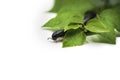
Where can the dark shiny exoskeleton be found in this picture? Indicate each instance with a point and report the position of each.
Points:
(58, 34)
(89, 15)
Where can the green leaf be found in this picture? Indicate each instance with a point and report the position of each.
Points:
(74, 37)
(73, 26)
(72, 4)
(58, 4)
(86, 4)
(108, 37)
(70, 16)
(64, 19)
(105, 3)
(105, 38)
(117, 33)
(71, 11)
(111, 17)
(95, 25)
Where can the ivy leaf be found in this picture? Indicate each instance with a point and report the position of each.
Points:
(74, 37)
(95, 25)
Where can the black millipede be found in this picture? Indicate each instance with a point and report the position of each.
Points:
(58, 35)
(89, 15)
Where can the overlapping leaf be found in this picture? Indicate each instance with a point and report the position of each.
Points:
(71, 12)
(70, 17)
(64, 19)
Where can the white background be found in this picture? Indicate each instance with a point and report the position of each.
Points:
(26, 54)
